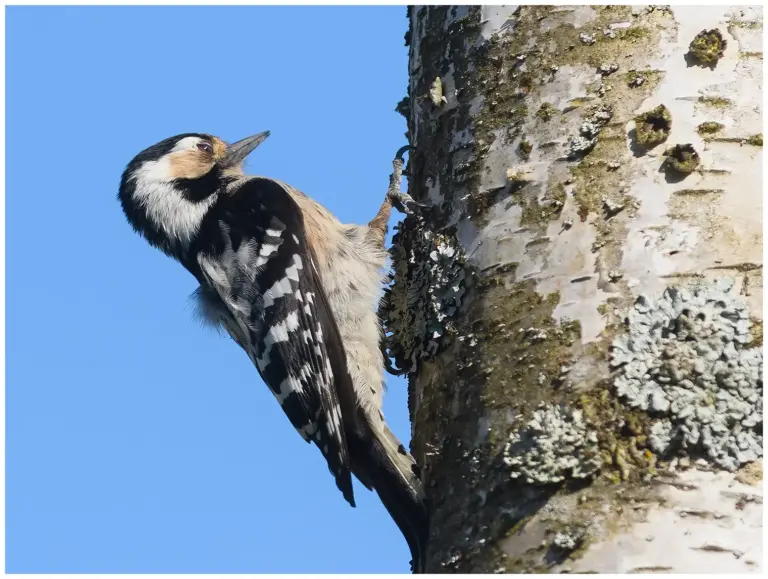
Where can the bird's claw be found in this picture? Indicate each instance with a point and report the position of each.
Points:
(401, 152)
(404, 203)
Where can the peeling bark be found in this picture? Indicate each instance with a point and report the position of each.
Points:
(579, 312)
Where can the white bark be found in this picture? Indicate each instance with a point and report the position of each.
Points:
(559, 250)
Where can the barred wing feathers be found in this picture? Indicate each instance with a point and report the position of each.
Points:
(262, 268)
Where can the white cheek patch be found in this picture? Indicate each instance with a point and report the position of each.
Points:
(168, 210)
(159, 170)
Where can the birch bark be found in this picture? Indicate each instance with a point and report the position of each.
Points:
(580, 311)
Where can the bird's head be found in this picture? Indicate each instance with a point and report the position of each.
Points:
(167, 189)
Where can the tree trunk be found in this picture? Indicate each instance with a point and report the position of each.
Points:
(579, 310)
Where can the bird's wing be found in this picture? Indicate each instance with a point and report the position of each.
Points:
(263, 269)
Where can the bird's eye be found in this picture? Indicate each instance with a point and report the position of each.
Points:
(205, 147)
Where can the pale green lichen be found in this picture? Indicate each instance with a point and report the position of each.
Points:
(686, 360)
(581, 144)
(555, 444)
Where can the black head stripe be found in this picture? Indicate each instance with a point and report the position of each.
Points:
(199, 189)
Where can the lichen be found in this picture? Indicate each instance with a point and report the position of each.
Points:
(428, 287)
(745, 24)
(698, 192)
(709, 128)
(554, 445)
(635, 33)
(715, 101)
(751, 473)
(653, 127)
(622, 440)
(568, 540)
(525, 149)
(682, 159)
(635, 79)
(436, 93)
(537, 211)
(546, 111)
(685, 360)
(510, 68)
(594, 191)
(608, 69)
(756, 140)
(581, 144)
(509, 319)
(708, 47)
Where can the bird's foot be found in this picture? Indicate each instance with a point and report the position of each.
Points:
(401, 201)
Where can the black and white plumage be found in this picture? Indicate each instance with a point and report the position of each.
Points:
(252, 252)
(296, 289)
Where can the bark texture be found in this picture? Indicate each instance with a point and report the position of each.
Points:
(579, 312)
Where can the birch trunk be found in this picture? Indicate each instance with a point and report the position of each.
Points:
(579, 312)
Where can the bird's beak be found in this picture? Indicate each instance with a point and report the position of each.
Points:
(237, 152)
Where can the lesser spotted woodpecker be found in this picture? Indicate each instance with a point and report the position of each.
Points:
(297, 290)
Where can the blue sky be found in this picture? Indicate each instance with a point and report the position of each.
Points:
(138, 441)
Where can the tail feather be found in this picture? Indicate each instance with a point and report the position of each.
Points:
(382, 464)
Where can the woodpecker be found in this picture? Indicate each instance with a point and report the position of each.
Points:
(297, 290)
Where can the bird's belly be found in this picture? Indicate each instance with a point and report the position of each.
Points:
(353, 293)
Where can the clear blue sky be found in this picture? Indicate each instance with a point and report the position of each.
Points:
(136, 440)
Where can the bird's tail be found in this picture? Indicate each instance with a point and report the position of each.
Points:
(387, 467)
